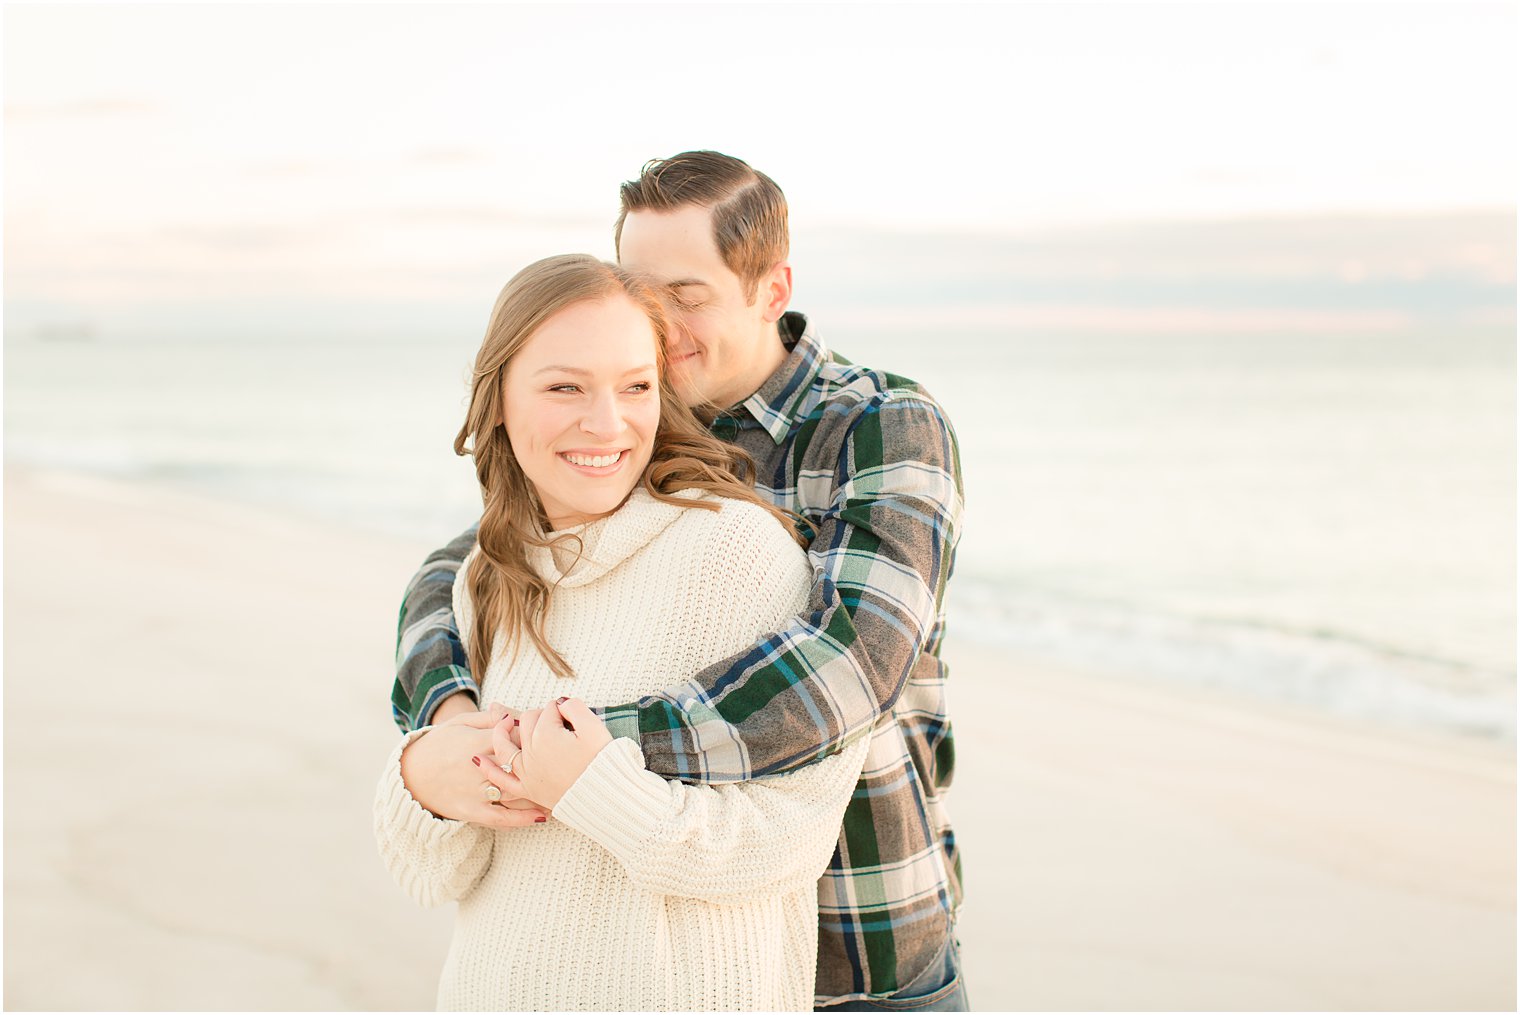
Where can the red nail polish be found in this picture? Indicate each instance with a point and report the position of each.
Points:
(476, 760)
(538, 821)
(516, 723)
(561, 701)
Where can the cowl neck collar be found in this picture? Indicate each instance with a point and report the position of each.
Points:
(597, 547)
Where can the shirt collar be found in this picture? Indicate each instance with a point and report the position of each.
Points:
(774, 405)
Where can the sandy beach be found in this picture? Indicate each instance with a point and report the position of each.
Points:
(196, 709)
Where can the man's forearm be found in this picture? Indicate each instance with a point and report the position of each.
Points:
(431, 666)
(882, 554)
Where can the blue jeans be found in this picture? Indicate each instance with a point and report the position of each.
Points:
(938, 988)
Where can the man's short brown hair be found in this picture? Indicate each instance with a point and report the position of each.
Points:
(748, 209)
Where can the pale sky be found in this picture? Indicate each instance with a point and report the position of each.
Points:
(290, 149)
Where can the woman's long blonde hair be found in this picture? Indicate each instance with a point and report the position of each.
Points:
(506, 592)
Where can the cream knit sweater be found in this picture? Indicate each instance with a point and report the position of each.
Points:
(639, 893)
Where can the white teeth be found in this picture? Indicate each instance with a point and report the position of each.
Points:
(594, 461)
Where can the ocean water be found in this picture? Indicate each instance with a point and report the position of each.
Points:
(1325, 522)
(1317, 509)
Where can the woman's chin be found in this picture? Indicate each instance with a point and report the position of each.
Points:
(589, 510)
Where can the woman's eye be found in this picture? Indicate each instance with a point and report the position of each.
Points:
(565, 388)
(640, 387)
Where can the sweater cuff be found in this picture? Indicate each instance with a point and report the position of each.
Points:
(616, 802)
(399, 812)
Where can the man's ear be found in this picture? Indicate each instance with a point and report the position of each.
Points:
(775, 292)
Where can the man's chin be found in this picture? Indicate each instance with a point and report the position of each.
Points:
(689, 391)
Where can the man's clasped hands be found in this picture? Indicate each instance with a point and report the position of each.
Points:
(530, 758)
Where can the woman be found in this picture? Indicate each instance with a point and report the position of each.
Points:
(618, 551)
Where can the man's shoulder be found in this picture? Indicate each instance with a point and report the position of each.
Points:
(850, 390)
(855, 417)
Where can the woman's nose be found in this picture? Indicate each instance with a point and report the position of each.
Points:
(603, 418)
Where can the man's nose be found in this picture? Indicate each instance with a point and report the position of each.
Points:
(679, 336)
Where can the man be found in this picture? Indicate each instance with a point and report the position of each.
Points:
(870, 461)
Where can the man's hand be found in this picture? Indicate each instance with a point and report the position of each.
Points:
(456, 705)
(439, 772)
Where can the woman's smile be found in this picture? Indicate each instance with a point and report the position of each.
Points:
(595, 463)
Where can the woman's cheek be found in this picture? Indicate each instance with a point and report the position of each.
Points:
(649, 420)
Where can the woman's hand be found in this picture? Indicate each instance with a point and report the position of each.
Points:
(559, 742)
(440, 773)
(505, 747)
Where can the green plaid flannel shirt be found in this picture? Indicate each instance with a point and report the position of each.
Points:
(869, 459)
